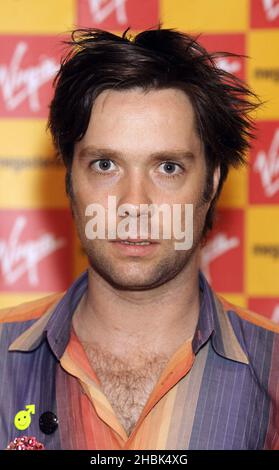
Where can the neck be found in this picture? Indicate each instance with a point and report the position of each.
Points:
(158, 319)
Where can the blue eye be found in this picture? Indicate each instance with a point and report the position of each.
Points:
(102, 165)
(171, 169)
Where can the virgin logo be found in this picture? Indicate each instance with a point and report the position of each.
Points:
(100, 10)
(18, 257)
(18, 83)
(231, 66)
(218, 246)
(267, 165)
(271, 9)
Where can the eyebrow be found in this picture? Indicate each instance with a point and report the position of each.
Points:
(90, 151)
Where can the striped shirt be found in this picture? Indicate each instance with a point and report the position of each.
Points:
(219, 390)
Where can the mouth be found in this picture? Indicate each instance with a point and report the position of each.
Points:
(136, 241)
(135, 247)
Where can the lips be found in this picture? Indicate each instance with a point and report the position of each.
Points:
(135, 247)
(135, 240)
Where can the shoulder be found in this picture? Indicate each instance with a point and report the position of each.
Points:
(258, 337)
(249, 317)
(29, 310)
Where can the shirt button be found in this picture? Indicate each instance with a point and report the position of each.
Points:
(48, 422)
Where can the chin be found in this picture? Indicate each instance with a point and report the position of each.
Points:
(136, 274)
(132, 282)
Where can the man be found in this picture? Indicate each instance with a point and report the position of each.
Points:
(140, 353)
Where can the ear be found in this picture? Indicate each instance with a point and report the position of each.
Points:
(216, 179)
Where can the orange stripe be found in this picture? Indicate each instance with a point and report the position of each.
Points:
(252, 317)
(178, 366)
(28, 310)
(103, 429)
(79, 356)
(71, 362)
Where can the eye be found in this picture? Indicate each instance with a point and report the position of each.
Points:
(102, 166)
(171, 169)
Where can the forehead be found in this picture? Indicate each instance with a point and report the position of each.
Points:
(143, 120)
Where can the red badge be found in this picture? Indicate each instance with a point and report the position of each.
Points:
(264, 13)
(28, 65)
(269, 307)
(222, 257)
(234, 43)
(36, 250)
(118, 14)
(25, 443)
(264, 165)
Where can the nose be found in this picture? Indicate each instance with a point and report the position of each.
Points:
(134, 193)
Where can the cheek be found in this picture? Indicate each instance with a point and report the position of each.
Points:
(192, 194)
(88, 192)
(194, 186)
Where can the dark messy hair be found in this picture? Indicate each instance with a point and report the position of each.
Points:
(154, 59)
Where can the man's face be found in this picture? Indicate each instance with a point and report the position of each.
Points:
(141, 148)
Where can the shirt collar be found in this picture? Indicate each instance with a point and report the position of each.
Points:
(214, 322)
(55, 324)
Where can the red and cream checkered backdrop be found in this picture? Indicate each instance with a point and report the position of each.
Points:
(39, 251)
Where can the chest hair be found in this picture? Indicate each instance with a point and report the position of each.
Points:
(127, 384)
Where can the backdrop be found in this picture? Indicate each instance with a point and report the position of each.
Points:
(39, 251)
